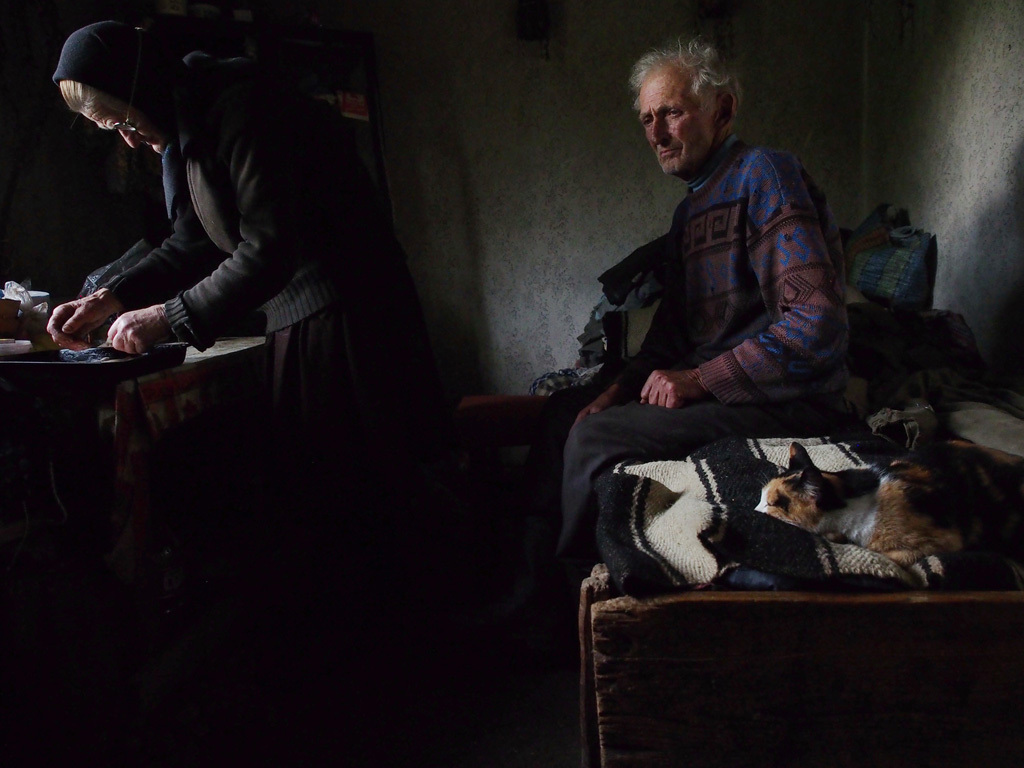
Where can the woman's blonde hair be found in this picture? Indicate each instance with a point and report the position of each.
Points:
(84, 99)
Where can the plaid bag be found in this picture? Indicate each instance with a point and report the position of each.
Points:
(892, 262)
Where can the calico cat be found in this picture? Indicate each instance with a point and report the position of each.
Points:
(941, 498)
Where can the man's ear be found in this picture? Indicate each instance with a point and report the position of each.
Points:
(726, 109)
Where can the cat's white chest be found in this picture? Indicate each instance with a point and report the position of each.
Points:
(855, 522)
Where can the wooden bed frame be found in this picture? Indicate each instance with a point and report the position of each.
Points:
(806, 679)
(727, 678)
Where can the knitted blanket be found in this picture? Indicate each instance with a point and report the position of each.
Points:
(672, 525)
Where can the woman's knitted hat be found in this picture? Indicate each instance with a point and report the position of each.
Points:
(116, 58)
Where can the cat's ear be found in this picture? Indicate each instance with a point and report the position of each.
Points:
(811, 482)
(798, 457)
(821, 489)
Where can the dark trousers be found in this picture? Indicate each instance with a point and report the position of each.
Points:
(563, 474)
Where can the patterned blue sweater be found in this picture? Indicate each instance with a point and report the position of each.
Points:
(754, 286)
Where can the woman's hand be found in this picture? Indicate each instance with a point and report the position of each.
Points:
(673, 389)
(71, 323)
(136, 331)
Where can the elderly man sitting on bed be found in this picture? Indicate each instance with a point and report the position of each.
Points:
(751, 333)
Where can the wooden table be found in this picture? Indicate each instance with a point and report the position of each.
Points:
(222, 388)
(109, 463)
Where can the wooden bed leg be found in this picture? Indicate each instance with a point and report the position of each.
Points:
(594, 589)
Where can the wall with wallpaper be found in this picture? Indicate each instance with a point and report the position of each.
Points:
(519, 172)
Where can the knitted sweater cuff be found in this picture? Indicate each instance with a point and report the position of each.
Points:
(182, 324)
(114, 286)
(723, 377)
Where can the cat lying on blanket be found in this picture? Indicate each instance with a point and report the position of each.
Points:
(941, 498)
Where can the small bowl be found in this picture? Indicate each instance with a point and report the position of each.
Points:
(9, 309)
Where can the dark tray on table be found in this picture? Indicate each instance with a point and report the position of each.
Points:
(63, 371)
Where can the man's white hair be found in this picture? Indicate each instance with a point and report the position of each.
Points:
(697, 58)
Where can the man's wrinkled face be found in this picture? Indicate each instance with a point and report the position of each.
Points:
(680, 130)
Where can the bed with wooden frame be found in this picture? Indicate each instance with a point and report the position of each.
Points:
(789, 678)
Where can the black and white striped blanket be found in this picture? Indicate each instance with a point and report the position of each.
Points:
(672, 525)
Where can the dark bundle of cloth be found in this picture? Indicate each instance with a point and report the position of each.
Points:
(675, 525)
(625, 277)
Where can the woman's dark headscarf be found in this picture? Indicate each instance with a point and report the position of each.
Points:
(105, 55)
